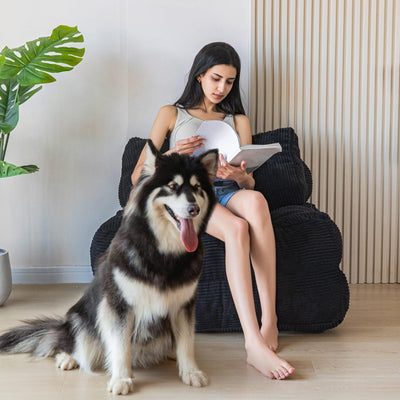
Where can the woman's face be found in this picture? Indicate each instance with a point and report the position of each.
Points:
(217, 82)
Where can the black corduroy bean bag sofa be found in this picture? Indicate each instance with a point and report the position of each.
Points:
(312, 292)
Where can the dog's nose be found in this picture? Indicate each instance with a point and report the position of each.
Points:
(193, 210)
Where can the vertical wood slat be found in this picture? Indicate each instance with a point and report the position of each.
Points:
(331, 69)
(395, 153)
(371, 141)
(378, 143)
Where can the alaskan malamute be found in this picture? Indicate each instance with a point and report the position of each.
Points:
(140, 305)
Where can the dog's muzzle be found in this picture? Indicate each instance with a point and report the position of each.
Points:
(189, 236)
(193, 210)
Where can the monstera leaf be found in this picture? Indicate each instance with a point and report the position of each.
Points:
(26, 92)
(21, 71)
(8, 170)
(33, 62)
(9, 113)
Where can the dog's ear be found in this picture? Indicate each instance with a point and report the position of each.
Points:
(151, 157)
(210, 161)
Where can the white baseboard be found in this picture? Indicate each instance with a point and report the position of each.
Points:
(48, 275)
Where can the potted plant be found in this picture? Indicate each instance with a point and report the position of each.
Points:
(22, 72)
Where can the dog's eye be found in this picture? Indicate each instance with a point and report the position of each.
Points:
(173, 186)
(196, 187)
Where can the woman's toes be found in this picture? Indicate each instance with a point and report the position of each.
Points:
(276, 374)
(282, 372)
(270, 374)
(289, 370)
(267, 362)
(285, 374)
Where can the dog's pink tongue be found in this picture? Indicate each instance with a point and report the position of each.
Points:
(188, 234)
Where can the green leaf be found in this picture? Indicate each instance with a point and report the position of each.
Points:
(6, 128)
(8, 170)
(26, 92)
(2, 59)
(33, 62)
(9, 109)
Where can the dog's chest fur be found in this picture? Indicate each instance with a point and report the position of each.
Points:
(149, 302)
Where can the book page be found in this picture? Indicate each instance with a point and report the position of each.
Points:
(219, 135)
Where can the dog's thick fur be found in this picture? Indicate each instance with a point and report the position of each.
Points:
(140, 306)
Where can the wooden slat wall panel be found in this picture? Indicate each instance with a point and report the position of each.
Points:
(330, 69)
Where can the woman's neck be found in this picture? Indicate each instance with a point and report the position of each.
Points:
(207, 107)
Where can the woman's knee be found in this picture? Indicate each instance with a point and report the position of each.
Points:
(226, 226)
(238, 229)
(257, 208)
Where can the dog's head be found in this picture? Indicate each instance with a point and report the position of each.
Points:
(176, 194)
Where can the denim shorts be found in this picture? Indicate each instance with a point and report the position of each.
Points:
(224, 190)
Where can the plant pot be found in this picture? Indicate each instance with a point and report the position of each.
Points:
(5, 276)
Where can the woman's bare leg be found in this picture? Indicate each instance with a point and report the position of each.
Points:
(234, 231)
(252, 206)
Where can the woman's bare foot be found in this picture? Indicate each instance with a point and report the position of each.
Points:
(269, 332)
(267, 362)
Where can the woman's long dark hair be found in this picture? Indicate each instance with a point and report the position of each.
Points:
(216, 53)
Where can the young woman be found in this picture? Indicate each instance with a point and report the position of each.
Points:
(241, 219)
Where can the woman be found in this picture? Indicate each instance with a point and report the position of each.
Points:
(241, 219)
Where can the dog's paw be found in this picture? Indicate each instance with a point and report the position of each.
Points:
(120, 385)
(194, 378)
(65, 362)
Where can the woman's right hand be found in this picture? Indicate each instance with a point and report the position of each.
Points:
(187, 146)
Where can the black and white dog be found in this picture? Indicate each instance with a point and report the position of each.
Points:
(140, 305)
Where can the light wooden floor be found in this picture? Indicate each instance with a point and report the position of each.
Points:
(360, 359)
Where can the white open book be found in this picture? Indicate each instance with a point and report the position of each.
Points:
(219, 135)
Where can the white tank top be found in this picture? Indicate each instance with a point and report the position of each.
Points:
(186, 126)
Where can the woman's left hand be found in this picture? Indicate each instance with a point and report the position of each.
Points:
(228, 171)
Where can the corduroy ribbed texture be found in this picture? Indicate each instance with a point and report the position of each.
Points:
(103, 237)
(312, 292)
(282, 179)
(129, 159)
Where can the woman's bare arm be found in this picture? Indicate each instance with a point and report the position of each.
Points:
(165, 119)
(163, 125)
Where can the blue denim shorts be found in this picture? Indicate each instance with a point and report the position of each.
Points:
(224, 190)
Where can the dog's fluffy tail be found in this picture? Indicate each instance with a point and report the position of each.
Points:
(40, 337)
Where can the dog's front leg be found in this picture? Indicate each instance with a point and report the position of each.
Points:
(183, 328)
(117, 337)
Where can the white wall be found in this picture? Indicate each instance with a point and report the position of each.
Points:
(138, 54)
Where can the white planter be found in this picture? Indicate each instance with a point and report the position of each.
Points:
(5, 276)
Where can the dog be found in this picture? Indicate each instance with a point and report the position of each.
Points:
(139, 308)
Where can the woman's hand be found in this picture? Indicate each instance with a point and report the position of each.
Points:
(187, 146)
(238, 174)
